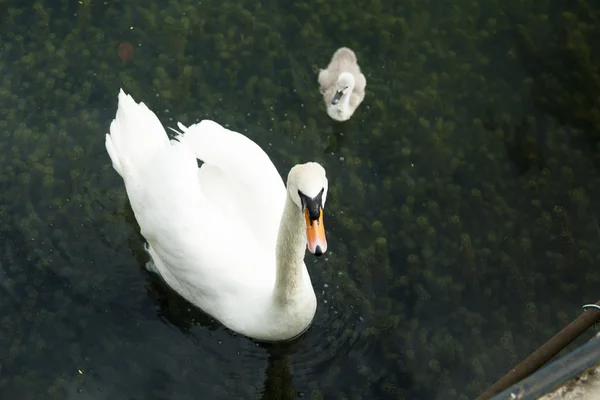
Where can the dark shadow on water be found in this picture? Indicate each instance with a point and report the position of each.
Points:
(179, 312)
(337, 137)
(279, 383)
(339, 131)
(524, 142)
(171, 307)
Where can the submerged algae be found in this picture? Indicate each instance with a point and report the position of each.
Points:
(460, 215)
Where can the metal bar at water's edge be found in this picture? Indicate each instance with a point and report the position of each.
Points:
(556, 374)
(545, 353)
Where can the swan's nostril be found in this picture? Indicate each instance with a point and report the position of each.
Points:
(318, 251)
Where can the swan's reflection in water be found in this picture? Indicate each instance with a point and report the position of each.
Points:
(336, 137)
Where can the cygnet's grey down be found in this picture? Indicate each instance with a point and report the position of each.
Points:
(342, 84)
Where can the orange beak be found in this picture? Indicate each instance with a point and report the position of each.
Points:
(315, 233)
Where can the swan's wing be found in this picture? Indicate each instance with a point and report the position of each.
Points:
(360, 83)
(221, 192)
(356, 99)
(239, 177)
(325, 80)
(200, 248)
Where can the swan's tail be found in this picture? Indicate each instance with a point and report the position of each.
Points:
(136, 135)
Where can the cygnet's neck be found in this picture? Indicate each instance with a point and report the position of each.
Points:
(349, 78)
(289, 253)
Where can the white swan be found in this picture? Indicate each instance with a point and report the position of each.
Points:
(342, 85)
(227, 236)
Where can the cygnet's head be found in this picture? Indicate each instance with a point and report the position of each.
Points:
(307, 186)
(344, 84)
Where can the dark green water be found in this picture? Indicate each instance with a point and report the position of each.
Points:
(462, 226)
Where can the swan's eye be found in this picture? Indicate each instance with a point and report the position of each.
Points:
(312, 205)
(302, 197)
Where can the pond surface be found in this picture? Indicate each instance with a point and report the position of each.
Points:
(462, 227)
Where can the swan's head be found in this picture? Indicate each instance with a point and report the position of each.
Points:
(307, 187)
(344, 84)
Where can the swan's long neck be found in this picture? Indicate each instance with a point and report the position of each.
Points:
(345, 100)
(291, 246)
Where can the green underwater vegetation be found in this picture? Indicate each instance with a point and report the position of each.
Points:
(461, 223)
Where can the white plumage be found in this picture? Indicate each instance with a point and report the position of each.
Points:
(214, 232)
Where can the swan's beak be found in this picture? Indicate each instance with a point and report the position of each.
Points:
(315, 233)
(336, 98)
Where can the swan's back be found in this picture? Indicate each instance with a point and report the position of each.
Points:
(343, 60)
(193, 238)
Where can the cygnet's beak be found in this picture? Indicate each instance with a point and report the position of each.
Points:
(336, 98)
(315, 230)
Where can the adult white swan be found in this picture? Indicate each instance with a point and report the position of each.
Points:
(227, 236)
